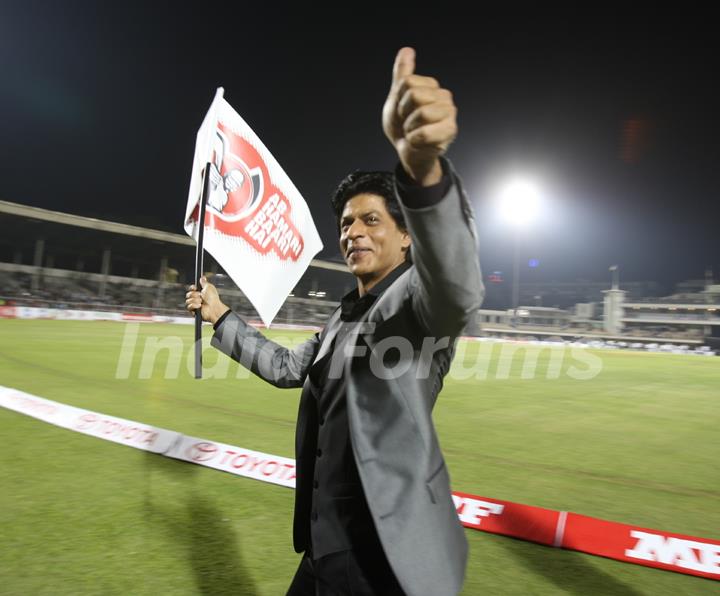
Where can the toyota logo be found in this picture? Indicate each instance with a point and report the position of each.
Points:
(202, 451)
(85, 421)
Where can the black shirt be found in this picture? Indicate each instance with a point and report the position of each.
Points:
(339, 515)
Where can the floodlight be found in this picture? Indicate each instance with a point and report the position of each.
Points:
(520, 202)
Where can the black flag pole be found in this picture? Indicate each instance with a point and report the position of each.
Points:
(199, 253)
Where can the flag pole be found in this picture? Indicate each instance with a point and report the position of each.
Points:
(199, 253)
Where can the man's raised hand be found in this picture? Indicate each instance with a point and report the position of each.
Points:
(419, 118)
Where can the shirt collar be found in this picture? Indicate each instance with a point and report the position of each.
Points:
(353, 297)
(388, 280)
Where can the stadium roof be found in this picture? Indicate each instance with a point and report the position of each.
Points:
(99, 225)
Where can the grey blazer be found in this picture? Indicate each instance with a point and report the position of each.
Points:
(391, 392)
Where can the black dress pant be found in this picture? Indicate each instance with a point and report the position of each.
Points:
(359, 572)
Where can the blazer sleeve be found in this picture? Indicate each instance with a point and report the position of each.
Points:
(447, 286)
(270, 361)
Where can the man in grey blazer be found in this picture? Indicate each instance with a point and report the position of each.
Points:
(373, 510)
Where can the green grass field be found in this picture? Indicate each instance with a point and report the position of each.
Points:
(638, 443)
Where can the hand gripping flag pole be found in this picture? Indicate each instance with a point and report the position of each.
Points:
(199, 254)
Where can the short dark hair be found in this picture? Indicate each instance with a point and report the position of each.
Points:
(376, 183)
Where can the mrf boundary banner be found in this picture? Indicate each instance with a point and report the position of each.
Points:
(257, 225)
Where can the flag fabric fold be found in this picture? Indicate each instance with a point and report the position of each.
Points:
(257, 224)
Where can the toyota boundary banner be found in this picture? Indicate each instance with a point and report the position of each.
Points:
(632, 544)
(236, 460)
(102, 426)
(257, 225)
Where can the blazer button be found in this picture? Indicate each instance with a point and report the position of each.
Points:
(319, 452)
(315, 484)
(313, 516)
(322, 421)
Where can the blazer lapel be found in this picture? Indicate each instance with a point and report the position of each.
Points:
(332, 327)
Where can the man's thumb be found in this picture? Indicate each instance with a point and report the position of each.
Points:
(404, 64)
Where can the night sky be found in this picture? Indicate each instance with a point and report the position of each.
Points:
(615, 115)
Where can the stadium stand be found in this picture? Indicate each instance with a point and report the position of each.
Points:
(53, 259)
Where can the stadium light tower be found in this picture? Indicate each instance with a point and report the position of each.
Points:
(519, 202)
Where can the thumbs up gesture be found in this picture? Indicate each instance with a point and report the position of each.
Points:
(419, 119)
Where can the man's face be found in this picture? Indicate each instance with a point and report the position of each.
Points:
(370, 240)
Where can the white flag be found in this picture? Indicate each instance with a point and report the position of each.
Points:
(257, 225)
